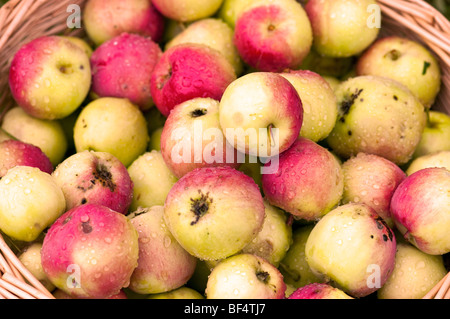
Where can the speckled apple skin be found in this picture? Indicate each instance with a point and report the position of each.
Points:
(98, 240)
(267, 38)
(189, 70)
(420, 207)
(37, 84)
(122, 67)
(319, 291)
(371, 180)
(235, 212)
(96, 178)
(308, 183)
(16, 153)
(105, 19)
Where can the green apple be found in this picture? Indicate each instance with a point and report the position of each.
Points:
(275, 237)
(48, 135)
(30, 201)
(179, 293)
(379, 116)
(406, 61)
(319, 103)
(152, 180)
(30, 257)
(293, 266)
(245, 276)
(190, 10)
(414, 275)
(155, 140)
(214, 33)
(112, 125)
(436, 135)
(437, 159)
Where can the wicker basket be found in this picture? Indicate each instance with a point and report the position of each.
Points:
(23, 20)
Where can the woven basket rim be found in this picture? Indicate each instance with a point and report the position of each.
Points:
(417, 18)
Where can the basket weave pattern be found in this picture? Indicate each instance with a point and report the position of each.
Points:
(24, 20)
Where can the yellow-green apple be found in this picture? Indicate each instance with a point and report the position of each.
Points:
(406, 61)
(30, 201)
(332, 81)
(308, 182)
(16, 153)
(30, 257)
(352, 247)
(90, 252)
(155, 140)
(192, 137)
(261, 114)
(372, 180)
(437, 159)
(420, 208)
(50, 77)
(179, 293)
(377, 115)
(182, 10)
(414, 275)
(94, 177)
(163, 264)
(436, 135)
(106, 19)
(326, 65)
(319, 291)
(341, 28)
(48, 135)
(275, 237)
(152, 180)
(294, 267)
(112, 125)
(245, 276)
(273, 36)
(122, 67)
(214, 33)
(214, 212)
(319, 103)
(189, 70)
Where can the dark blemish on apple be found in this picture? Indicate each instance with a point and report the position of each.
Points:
(198, 113)
(81, 67)
(263, 276)
(426, 65)
(371, 236)
(83, 201)
(395, 97)
(394, 55)
(86, 227)
(382, 224)
(349, 133)
(104, 176)
(200, 206)
(347, 103)
(164, 79)
(271, 27)
(385, 238)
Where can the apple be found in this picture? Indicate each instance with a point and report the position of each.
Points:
(30, 257)
(214, 33)
(332, 81)
(152, 180)
(319, 103)
(372, 180)
(273, 36)
(214, 212)
(163, 264)
(437, 159)
(420, 209)
(179, 293)
(308, 182)
(95, 177)
(16, 153)
(50, 77)
(231, 10)
(352, 247)
(90, 252)
(189, 70)
(379, 116)
(60, 294)
(154, 118)
(341, 28)
(327, 66)
(200, 276)
(182, 10)
(275, 237)
(106, 19)
(81, 43)
(192, 137)
(122, 67)
(436, 135)
(155, 140)
(294, 267)
(319, 291)
(406, 61)
(30, 201)
(112, 125)
(261, 114)
(245, 276)
(415, 274)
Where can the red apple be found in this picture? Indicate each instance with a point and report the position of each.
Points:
(319, 291)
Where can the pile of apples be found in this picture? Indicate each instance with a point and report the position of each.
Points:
(227, 149)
